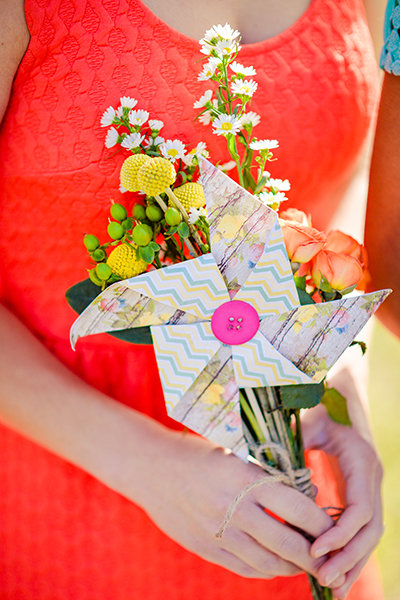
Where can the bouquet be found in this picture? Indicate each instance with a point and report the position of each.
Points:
(245, 308)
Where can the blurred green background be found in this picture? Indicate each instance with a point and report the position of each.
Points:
(384, 390)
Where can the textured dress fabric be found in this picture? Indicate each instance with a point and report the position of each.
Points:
(63, 535)
(390, 56)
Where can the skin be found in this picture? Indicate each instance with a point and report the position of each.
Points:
(188, 492)
(383, 212)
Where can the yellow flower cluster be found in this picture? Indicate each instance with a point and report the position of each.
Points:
(124, 262)
(190, 195)
(149, 175)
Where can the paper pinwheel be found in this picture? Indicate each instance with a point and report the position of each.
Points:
(229, 319)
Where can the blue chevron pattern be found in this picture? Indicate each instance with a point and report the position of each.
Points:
(182, 353)
(257, 363)
(270, 287)
(195, 286)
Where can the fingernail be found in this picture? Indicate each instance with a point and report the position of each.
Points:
(331, 577)
(321, 551)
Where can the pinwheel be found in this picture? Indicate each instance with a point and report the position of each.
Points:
(229, 319)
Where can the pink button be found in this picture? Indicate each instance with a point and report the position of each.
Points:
(235, 322)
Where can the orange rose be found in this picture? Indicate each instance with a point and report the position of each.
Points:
(295, 216)
(302, 243)
(337, 241)
(341, 271)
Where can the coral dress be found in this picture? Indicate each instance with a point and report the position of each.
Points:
(63, 535)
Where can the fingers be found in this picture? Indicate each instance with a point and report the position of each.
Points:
(363, 477)
(252, 558)
(281, 540)
(356, 551)
(294, 507)
(341, 591)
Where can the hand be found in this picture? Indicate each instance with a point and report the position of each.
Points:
(348, 545)
(187, 488)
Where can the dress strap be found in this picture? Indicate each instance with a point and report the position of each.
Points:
(390, 56)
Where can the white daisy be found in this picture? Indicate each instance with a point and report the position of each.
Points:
(127, 102)
(133, 140)
(208, 70)
(193, 215)
(206, 97)
(264, 144)
(225, 32)
(108, 117)
(196, 213)
(225, 124)
(241, 70)
(226, 48)
(271, 199)
(138, 117)
(120, 112)
(155, 125)
(122, 189)
(244, 87)
(251, 118)
(205, 118)
(111, 137)
(173, 149)
(153, 142)
(200, 150)
(282, 186)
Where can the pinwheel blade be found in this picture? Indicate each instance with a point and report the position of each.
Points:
(314, 336)
(270, 287)
(120, 307)
(182, 353)
(239, 225)
(194, 286)
(256, 363)
(211, 405)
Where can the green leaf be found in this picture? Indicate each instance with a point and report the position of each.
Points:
(300, 283)
(80, 295)
(301, 396)
(362, 345)
(260, 184)
(304, 297)
(232, 146)
(147, 253)
(336, 406)
(155, 246)
(183, 230)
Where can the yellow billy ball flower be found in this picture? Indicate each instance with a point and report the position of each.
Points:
(124, 262)
(155, 176)
(129, 171)
(190, 195)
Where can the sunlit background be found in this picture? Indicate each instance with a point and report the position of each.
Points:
(384, 388)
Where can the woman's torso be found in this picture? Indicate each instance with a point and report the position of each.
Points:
(317, 88)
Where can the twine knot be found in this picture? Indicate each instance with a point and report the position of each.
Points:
(299, 479)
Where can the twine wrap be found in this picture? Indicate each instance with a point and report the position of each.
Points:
(299, 479)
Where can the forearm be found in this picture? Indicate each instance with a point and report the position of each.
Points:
(383, 211)
(44, 401)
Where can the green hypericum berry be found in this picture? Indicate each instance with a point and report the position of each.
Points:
(205, 248)
(141, 235)
(118, 212)
(93, 277)
(154, 213)
(138, 212)
(98, 255)
(103, 271)
(148, 229)
(115, 230)
(91, 242)
(172, 216)
(127, 224)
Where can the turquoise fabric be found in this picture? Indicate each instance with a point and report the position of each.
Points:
(390, 56)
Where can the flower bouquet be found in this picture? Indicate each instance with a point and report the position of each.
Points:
(245, 309)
